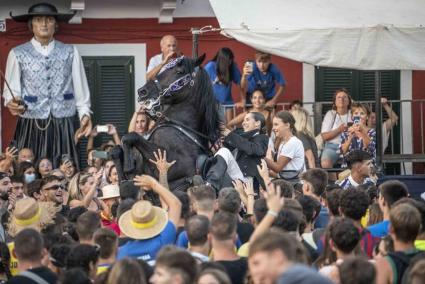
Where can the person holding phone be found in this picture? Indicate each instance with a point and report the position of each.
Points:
(358, 136)
(265, 76)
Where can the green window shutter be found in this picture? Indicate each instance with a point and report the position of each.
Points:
(361, 85)
(111, 84)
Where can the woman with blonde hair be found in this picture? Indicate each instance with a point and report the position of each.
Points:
(82, 190)
(305, 133)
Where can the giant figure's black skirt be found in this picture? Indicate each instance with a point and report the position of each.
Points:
(56, 140)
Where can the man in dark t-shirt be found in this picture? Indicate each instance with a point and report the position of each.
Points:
(223, 235)
(28, 250)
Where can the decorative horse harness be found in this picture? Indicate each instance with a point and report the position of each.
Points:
(154, 104)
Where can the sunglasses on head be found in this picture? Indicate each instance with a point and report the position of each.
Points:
(55, 187)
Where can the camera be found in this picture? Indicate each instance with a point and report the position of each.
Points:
(356, 119)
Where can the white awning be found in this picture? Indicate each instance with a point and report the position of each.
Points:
(358, 34)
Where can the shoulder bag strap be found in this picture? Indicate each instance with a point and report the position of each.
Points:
(34, 277)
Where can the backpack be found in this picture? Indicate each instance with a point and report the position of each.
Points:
(413, 261)
(403, 262)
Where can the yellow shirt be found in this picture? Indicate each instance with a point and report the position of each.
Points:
(420, 244)
(13, 261)
(102, 268)
(244, 250)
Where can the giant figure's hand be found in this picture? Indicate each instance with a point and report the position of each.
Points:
(85, 128)
(15, 108)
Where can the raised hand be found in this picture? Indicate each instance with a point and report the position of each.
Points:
(239, 186)
(248, 189)
(11, 153)
(263, 170)
(161, 161)
(273, 198)
(145, 181)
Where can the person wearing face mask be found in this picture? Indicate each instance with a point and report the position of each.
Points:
(27, 170)
(359, 136)
(242, 153)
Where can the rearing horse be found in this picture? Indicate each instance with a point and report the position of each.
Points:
(185, 129)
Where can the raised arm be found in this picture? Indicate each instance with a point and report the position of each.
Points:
(392, 116)
(173, 203)
(255, 147)
(274, 205)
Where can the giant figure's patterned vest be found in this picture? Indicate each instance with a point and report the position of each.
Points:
(46, 81)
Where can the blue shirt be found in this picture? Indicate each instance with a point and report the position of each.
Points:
(380, 229)
(223, 93)
(265, 82)
(147, 249)
(323, 218)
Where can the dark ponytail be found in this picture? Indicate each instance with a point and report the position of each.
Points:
(258, 116)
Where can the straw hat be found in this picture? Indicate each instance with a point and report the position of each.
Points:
(143, 221)
(110, 191)
(29, 213)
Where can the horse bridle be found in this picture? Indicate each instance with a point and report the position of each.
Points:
(175, 86)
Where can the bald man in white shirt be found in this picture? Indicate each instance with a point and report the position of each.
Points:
(169, 50)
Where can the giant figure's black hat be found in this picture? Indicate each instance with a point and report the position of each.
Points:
(42, 9)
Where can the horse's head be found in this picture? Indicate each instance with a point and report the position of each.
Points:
(171, 85)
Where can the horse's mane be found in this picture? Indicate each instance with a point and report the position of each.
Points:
(205, 101)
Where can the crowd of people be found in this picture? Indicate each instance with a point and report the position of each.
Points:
(262, 210)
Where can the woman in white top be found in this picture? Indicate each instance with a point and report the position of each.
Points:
(288, 149)
(334, 123)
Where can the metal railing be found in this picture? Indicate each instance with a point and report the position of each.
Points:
(406, 141)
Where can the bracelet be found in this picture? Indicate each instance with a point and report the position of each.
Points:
(272, 213)
(251, 194)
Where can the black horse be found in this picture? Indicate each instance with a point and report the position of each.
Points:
(185, 129)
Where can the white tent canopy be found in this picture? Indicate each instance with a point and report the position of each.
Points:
(358, 34)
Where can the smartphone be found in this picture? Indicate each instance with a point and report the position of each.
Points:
(356, 119)
(250, 65)
(13, 144)
(102, 128)
(100, 154)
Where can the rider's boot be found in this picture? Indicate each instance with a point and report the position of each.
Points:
(216, 173)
